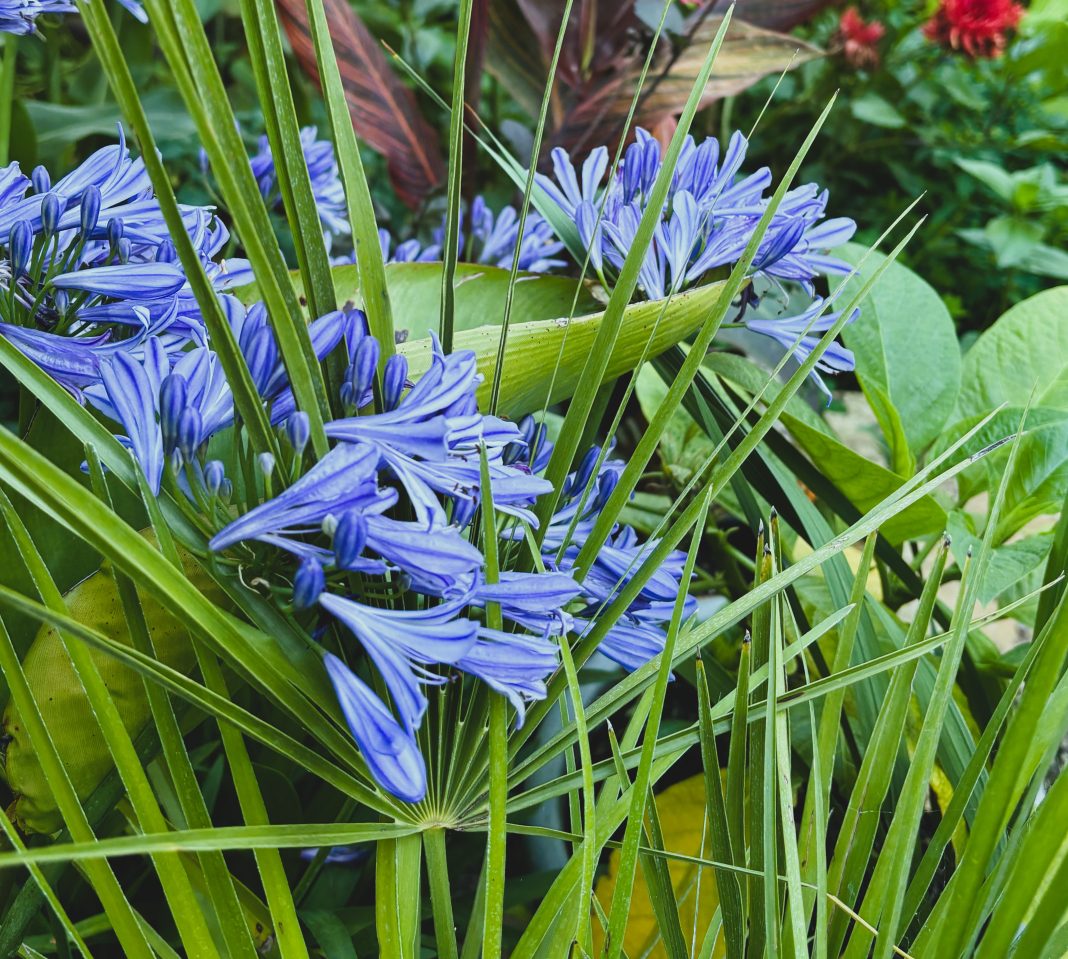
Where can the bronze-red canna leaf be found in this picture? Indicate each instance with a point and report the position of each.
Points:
(384, 111)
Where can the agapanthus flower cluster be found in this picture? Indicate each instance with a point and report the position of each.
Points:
(89, 269)
(327, 189)
(708, 218)
(20, 16)
(377, 543)
(488, 238)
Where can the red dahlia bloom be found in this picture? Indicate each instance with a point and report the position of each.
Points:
(859, 39)
(977, 27)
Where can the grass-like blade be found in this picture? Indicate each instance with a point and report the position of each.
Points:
(357, 191)
(283, 133)
(456, 171)
(727, 884)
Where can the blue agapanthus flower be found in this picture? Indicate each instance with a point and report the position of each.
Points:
(170, 404)
(488, 238)
(326, 183)
(386, 570)
(19, 16)
(788, 330)
(639, 635)
(89, 267)
(707, 220)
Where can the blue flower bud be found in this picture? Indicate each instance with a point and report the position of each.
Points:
(61, 301)
(115, 231)
(511, 453)
(527, 426)
(124, 248)
(42, 182)
(226, 491)
(308, 584)
(166, 253)
(585, 470)
(202, 157)
(173, 395)
(363, 367)
(20, 243)
(609, 482)
(463, 511)
(265, 462)
(394, 381)
(214, 477)
(350, 537)
(190, 431)
(261, 355)
(298, 431)
(90, 209)
(51, 211)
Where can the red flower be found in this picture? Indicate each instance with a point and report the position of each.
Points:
(975, 26)
(858, 39)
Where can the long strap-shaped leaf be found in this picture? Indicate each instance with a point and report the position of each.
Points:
(496, 844)
(283, 911)
(524, 208)
(252, 653)
(218, 838)
(184, 43)
(291, 168)
(189, 918)
(456, 159)
(621, 896)
(357, 192)
(246, 399)
(219, 882)
(101, 877)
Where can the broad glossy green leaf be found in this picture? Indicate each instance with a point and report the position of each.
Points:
(866, 483)
(1009, 564)
(415, 295)
(906, 345)
(1025, 351)
(530, 356)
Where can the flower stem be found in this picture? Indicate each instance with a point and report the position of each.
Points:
(7, 95)
(496, 834)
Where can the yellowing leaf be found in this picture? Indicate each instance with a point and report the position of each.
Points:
(682, 817)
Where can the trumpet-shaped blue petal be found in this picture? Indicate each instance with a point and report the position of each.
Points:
(342, 479)
(146, 281)
(401, 643)
(513, 664)
(388, 749)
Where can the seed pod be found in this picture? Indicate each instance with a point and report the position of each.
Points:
(61, 699)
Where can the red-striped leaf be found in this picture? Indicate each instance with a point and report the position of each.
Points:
(384, 110)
